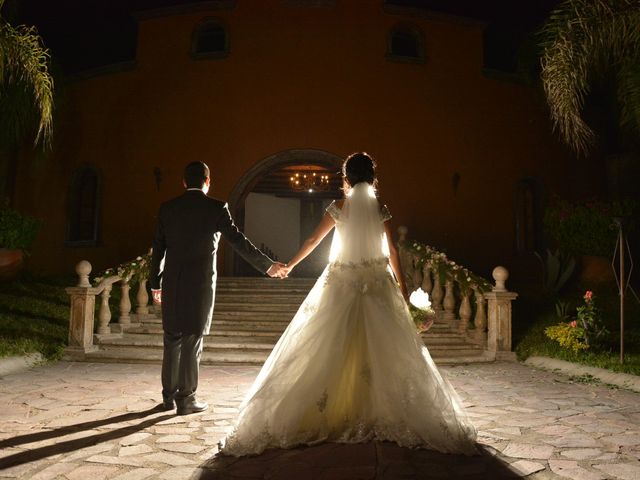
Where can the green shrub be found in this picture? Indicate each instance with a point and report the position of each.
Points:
(584, 228)
(17, 231)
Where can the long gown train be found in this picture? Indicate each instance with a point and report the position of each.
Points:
(350, 367)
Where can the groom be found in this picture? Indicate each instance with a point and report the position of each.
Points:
(187, 236)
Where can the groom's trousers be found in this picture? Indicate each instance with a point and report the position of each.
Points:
(180, 366)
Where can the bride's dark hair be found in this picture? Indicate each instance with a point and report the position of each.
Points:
(359, 167)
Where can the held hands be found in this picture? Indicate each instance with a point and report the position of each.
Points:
(278, 270)
(157, 296)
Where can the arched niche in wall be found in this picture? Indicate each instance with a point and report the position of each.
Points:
(279, 163)
(83, 207)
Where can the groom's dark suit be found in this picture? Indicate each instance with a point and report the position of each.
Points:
(187, 236)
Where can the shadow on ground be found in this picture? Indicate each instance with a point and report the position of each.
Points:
(85, 433)
(378, 460)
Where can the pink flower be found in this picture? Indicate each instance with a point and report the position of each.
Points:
(574, 324)
(588, 295)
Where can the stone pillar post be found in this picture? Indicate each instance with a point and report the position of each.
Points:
(81, 320)
(449, 303)
(142, 298)
(499, 317)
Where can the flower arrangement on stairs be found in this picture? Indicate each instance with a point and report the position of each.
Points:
(132, 271)
(444, 271)
(447, 269)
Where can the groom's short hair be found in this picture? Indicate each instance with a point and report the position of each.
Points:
(195, 174)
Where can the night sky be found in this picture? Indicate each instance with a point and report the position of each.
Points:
(83, 34)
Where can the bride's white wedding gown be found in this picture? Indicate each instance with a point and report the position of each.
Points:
(350, 366)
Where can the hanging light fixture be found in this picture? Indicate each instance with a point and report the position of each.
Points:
(310, 181)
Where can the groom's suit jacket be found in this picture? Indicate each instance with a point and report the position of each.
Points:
(187, 236)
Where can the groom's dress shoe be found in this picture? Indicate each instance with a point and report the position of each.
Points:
(167, 405)
(192, 407)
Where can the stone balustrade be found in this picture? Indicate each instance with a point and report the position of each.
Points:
(490, 327)
(83, 309)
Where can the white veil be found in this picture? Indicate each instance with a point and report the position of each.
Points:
(359, 235)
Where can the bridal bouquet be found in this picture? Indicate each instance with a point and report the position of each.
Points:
(421, 311)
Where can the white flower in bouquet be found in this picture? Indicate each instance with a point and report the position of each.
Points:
(420, 299)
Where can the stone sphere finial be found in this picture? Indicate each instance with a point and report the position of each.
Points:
(402, 232)
(500, 275)
(83, 269)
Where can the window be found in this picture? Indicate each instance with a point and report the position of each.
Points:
(527, 216)
(210, 40)
(83, 208)
(405, 43)
(510, 55)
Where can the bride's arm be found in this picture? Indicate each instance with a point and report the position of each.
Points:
(309, 245)
(394, 260)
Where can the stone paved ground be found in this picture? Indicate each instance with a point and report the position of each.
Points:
(96, 421)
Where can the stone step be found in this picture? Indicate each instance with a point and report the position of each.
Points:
(226, 331)
(212, 342)
(260, 298)
(257, 308)
(117, 354)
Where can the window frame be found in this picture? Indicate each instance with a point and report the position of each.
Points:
(413, 30)
(207, 21)
(71, 190)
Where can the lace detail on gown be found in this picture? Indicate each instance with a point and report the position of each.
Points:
(350, 366)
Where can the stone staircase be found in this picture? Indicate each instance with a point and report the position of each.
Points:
(249, 317)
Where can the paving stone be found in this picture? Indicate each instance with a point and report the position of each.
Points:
(87, 452)
(526, 467)
(529, 451)
(624, 471)
(178, 473)
(132, 462)
(137, 474)
(183, 447)
(513, 431)
(54, 471)
(168, 458)
(174, 439)
(623, 440)
(93, 472)
(575, 441)
(134, 450)
(581, 453)
(556, 430)
(571, 469)
(134, 438)
(175, 430)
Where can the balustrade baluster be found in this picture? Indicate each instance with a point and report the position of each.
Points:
(465, 313)
(449, 302)
(104, 315)
(437, 296)
(416, 274)
(427, 284)
(142, 298)
(125, 305)
(480, 319)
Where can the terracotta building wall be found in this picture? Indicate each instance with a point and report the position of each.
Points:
(299, 77)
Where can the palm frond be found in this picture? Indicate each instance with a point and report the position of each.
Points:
(25, 61)
(629, 94)
(582, 39)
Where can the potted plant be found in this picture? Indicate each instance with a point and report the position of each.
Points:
(17, 233)
(586, 230)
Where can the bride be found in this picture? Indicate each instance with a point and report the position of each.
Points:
(350, 367)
